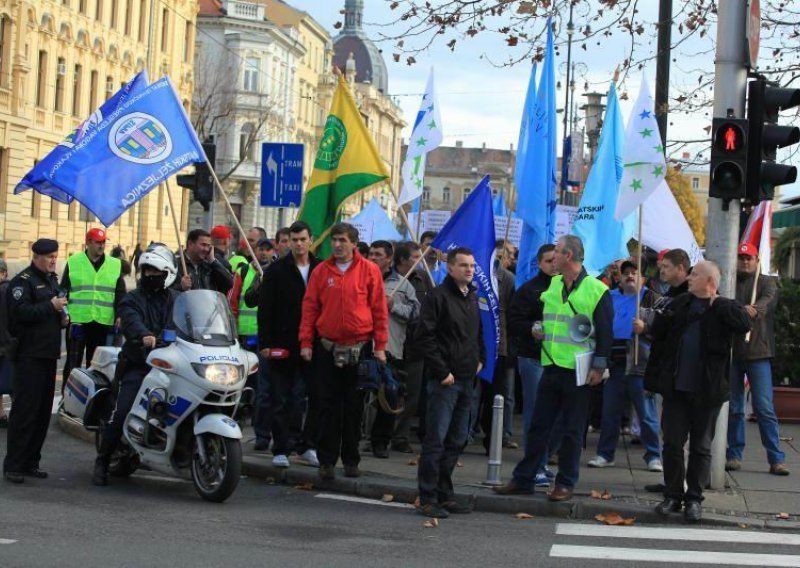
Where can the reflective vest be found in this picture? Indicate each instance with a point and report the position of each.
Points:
(91, 294)
(248, 322)
(558, 348)
(236, 260)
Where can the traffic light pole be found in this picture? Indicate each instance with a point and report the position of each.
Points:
(722, 228)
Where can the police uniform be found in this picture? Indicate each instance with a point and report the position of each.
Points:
(37, 326)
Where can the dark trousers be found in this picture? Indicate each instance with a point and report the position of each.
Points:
(557, 395)
(262, 418)
(129, 385)
(286, 378)
(340, 409)
(683, 418)
(402, 428)
(34, 385)
(83, 337)
(446, 430)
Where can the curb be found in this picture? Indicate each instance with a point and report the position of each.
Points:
(580, 508)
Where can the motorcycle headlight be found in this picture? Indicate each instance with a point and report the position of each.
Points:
(219, 373)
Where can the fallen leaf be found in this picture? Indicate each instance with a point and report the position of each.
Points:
(523, 516)
(412, 461)
(305, 486)
(743, 525)
(459, 464)
(782, 516)
(604, 495)
(615, 519)
(431, 524)
(416, 502)
(387, 498)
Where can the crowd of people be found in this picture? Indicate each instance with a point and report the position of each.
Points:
(587, 352)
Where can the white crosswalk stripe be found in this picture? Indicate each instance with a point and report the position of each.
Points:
(678, 555)
(364, 500)
(7, 541)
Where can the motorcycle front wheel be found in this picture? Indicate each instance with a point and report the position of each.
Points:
(217, 478)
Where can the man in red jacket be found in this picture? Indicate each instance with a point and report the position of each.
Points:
(345, 319)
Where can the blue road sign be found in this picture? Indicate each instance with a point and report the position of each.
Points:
(281, 174)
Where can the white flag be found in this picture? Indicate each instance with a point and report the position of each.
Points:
(642, 156)
(425, 136)
(665, 227)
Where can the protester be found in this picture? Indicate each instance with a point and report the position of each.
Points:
(656, 283)
(137, 252)
(144, 312)
(281, 242)
(695, 335)
(435, 268)
(626, 381)
(95, 286)
(254, 235)
(221, 241)
(611, 277)
(282, 373)
(403, 308)
(571, 294)
(7, 344)
(525, 310)
(345, 320)
(451, 341)
(752, 356)
(36, 316)
(119, 252)
(205, 270)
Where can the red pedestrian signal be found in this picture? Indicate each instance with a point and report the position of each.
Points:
(730, 137)
(728, 158)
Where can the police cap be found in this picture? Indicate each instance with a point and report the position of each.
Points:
(45, 246)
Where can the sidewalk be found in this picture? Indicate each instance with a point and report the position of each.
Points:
(753, 497)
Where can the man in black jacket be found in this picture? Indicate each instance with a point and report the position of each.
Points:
(144, 313)
(695, 334)
(205, 270)
(283, 375)
(450, 338)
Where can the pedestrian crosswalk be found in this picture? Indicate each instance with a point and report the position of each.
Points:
(678, 554)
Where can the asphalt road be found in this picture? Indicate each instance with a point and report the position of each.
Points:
(149, 520)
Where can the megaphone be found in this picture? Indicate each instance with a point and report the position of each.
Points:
(580, 328)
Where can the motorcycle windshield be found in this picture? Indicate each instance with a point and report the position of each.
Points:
(203, 316)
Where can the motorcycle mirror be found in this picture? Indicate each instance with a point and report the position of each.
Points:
(169, 335)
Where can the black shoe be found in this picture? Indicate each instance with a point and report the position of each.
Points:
(327, 472)
(693, 512)
(667, 506)
(35, 472)
(380, 451)
(14, 477)
(432, 510)
(100, 476)
(352, 471)
(455, 507)
(261, 445)
(403, 448)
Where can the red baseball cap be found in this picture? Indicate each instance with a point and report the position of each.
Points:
(747, 249)
(96, 234)
(220, 232)
(662, 253)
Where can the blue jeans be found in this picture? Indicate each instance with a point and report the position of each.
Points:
(446, 429)
(558, 395)
(759, 373)
(616, 392)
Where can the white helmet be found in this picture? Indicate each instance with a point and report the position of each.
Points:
(159, 256)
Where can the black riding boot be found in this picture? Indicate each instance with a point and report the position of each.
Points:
(100, 476)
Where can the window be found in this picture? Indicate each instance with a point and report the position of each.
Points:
(54, 210)
(109, 86)
(93, 86)
(246, 142)
(61, 73)
(142, 19)
(77, 88)
(41, 79)
(5, 49)
(128, 17)
(114, 13)
(84, 215)
(695, 183)
(188, 37)
(426, 196)
(251, 69)
(446, 195)
(466, 194)
(82, 6)
(98, 11)
(164, 29)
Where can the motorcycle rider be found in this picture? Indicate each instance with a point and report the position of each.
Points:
(144, 313)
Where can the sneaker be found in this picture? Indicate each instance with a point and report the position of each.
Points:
(309, 457)
(549, 473)
(655, 465)
(600, 461)
(280, 461)
(733, 465)
(779, 469)
(432, 510)
(541, 480)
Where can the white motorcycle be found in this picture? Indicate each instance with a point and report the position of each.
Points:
(184, 420)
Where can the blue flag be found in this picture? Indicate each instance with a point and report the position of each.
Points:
(36, 180)
(499, 206)
(144, 141)
(604, 238)
(472, 226)
(536, 170)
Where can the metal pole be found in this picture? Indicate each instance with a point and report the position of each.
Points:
(496, 445)
(722, 229)
(662, 66)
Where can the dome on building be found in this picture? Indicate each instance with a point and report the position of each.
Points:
(370, 66)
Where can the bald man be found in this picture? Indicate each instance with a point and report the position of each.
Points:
(696, 334)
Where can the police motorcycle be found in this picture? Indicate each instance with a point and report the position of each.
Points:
(184, 420)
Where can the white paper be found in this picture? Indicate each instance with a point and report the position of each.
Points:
(583, 364)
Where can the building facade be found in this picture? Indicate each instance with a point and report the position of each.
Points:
(59, 60)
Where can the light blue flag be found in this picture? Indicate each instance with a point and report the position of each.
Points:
(36, 180)
(536, 171)
(144, 141)
(604, 238)
(499, 206)
(472, 226)
(528, 112)
(375, 216)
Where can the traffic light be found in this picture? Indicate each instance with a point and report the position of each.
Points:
(764, 102)
(728, 158)
(200, 182)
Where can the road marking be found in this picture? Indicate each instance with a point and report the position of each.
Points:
(673, 556)
(744, 537)
(363, 500)
(7, 541)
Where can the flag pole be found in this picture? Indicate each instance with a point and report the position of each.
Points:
(410, 270)
(638, 286)
(753, 295)
(177, 229)
(410, 230)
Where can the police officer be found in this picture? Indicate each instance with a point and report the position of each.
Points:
(37, 314)
(144, 313)
(95, 286)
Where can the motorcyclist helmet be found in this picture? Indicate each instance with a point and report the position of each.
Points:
(159, 256)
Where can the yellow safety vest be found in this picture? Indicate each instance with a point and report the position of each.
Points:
(91, 293)
(558, 348)
(248, 320)
(236, 260)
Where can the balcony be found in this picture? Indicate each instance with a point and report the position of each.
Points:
(244, 10)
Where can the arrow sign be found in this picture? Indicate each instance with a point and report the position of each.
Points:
(281, 174)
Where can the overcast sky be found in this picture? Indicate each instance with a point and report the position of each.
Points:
(482, 103)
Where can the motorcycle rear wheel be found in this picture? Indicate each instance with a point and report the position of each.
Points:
(217, 479)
